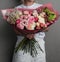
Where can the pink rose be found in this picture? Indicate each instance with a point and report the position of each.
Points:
(31, 19)
(20, 25)
(25, 16)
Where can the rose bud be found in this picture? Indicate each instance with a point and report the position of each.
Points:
(18, 21)
(36, 19)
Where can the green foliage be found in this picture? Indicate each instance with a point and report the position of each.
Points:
(51, 15)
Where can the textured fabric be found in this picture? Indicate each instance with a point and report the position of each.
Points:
(34, 6)
(39, 37)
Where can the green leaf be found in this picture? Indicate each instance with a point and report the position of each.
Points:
(51, 15)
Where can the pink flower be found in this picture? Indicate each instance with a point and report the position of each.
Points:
(21, 17)
(25, 16)
(18, 21)
(26, 12)
(43, 25)
(31, 19)
(30, 23)
(36, 19)
(24, 22)
(20, 26)
(31, 26)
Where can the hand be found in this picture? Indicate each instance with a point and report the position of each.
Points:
(30, 36)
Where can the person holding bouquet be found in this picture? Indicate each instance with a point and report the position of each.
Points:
(30, 21)
(39, 37)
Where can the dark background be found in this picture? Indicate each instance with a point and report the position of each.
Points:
(8, 36)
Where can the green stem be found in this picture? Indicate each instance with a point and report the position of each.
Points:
(28, 45)
(20, 44)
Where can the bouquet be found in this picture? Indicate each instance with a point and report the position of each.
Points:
(28, 21)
